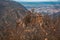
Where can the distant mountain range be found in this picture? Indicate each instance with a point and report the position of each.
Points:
(43, 7)
(40, 2)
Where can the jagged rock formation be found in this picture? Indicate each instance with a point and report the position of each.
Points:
(32, 29)
(10, 13)
(38, 27)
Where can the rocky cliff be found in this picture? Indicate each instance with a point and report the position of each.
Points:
(10, 13)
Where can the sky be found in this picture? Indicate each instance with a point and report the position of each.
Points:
(34, 0)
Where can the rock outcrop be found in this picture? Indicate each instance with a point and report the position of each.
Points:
(10, 13)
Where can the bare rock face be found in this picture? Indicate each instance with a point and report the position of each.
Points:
(32, 29)
(37, 27)
(10, 13)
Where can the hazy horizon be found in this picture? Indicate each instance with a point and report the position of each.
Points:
(37, 0)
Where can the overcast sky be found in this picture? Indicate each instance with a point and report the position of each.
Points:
(34, 0)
